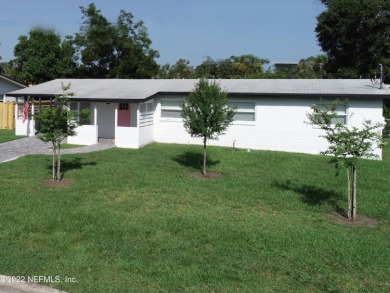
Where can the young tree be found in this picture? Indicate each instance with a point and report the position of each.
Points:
(58, 122)
(205, 113)
(42, 56)
(347, 145)
(386, 114)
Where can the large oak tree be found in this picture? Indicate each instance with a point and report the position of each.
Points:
(42, 56)
(115, 50)
(355, 34)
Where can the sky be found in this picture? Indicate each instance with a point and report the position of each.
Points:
(277, 30)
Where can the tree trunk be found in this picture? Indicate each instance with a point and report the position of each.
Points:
(349, 213)
(54, 162)
(354, 200)
(59, 163)
(204, 156)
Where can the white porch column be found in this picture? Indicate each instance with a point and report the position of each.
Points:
(95, 114)
(16, 109)
(31, 122)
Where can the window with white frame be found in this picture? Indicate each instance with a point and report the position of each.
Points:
(341, 112)
(245, 111)
(170, 109)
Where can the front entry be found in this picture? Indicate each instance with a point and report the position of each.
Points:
(106, 120)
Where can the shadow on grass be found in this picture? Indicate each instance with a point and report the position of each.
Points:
(312, 195)
(71, 164)
(194, 160)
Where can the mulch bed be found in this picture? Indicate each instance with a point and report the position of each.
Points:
(361, 221)
(65, 182)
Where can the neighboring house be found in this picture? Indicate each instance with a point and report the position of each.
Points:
(7, 85)
(270, 113)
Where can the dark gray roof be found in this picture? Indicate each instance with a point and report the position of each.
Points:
(142, 89)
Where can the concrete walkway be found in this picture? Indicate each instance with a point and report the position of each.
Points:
(14, 285)
(12, 150)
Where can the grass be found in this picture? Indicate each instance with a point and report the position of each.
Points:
(8, 135)
(70, 146)
(134, 221)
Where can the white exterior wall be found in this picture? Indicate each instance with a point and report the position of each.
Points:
(27, 128)
(279, 126)
(366, 110)
(86, 135)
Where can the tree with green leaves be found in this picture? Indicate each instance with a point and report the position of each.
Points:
(307, 68)
(180, 70)
(114, 50)
(57, 123)
(42, 56)
(244, 66)
(347, 145)
(205, 113)
(355, 36)
(386, 114)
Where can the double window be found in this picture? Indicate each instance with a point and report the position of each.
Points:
(341, 112)
(170, 108)
(245, 111)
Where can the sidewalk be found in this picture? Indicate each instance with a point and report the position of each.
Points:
(12, 150)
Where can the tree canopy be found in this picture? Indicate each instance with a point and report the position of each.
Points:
(356, 37)
(42, 56)
(181, 69)
(244, 66)
(116, 50)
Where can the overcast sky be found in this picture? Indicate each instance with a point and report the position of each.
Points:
(278, 30)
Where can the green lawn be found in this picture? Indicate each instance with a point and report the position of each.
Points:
(134, 221)
(7, 135)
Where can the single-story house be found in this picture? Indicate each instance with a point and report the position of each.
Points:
(270, 113)
(7, 85)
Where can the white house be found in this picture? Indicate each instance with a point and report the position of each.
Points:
(270, 113)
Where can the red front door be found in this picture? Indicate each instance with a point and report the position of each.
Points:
(124, 114)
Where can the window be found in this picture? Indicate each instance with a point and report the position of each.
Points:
(170, 109)
(245, 111)
(2, 98)
(146, 108)
(123, 106)
(341, 112)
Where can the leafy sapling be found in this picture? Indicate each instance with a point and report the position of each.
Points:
(347, 144)
(206, 113)
(57, 123)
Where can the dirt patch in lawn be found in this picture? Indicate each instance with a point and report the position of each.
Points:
(209, 175)
(65, 182)
(361, 221)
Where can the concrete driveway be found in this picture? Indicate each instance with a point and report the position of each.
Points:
(12, 150)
